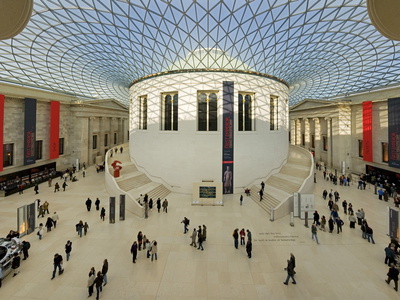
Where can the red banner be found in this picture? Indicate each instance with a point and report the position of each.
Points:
(54, 129)
(367, 131)
(1, 130)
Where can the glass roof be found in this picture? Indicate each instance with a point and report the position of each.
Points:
(95, 49)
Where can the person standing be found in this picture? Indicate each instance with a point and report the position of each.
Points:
(290, 271)
(249, 248)
(121, 149)
(16, 262)
(165, 205)
(204, 233)
(324, 194)
(103, 213)
(97, 203)
(90, 284)
(154, 250)
(68, 249)
(236, 238)
(339, 224)
(158, 204)
(241, 199)
(46, 207)
(344, 204)
(58, 260)
(359, 217)
(261, 193)
(200, 240)
(331, 224)
(370, 234)
(36, 189)
(104, 271)
(99, 283)
(40, 231)
(193, 237)
(393, 274)
(140, 240)
(85, 228)
(390, 255)
(56, 187)
(352, 219)
(25, 247)
(249, 235)
(262, 185)
(242, 236)
(323, 223)
(316, 218)
(314, 232)
(134, 249)
(151, 204)
(55, 218)
(88, 204)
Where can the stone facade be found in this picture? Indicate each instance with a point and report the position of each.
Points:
(80, 120)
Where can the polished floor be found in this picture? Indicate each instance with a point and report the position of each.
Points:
(343, 266)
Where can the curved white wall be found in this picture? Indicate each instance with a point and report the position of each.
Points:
(179, 158)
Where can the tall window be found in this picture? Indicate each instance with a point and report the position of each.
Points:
(8, 155)
(207, 111)
(325, 143)
(61, 146)
(385, 152)
(360, 148)
(143, 112)
(39, 149)
(273, 113)
(169, 111)
(105, 139)
(95, 142)
(246, 108)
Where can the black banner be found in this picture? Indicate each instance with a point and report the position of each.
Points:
(227, 137)
(112, 210)
(31, 218)
(30, 131)
(394, 132)
(393, 223)
(121, 207)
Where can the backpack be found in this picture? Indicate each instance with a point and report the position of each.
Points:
(27, 245)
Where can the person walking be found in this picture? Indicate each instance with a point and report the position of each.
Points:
(314, 233)
(193, 237)
(241, 199)
(204, 233)
(151, 204)
(331, 224)
(249, 248)
(57, 262)
(290, 271)
(339, 224)
(390, 255)
(370, 234)
(103, 213)
(90, 284)
(46, 207)
(98, 283)
(55, 218)
(323, 223)
(68, 249)
(140, 240)
(79, 228)
(97, 203)
(154, 250)
(158, 205)
(316, 218)
(393, 274)
(64, 186)
(88, 204)
(200, 241)
(16, 262)
(40, 231)
(344, 204)
(236, 238)
(165, 205)
(261, 193)
(104, 271)
(185, 222)
(242, 234)
(134, 249)
(85, 228)
(249, 235)
(25, 247)
(36, 189)
(56, 187)
(49, 224)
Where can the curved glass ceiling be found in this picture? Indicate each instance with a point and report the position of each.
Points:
(96, 48)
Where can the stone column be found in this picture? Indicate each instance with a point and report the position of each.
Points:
(317, 137)
(307, 133)
(298, 132)
(293, 132)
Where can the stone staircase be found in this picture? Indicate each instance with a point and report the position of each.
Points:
(283, 184)
(134, 182)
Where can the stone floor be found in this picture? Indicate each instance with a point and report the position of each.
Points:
(343, 266)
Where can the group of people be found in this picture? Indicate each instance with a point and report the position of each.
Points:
(116, 151)
(98, 280)
(391, 258)
(148, 204)
(144, 243)
(242, 234)
(200, 234)
(50, 222)
(81, 227)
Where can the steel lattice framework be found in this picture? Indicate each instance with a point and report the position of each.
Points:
(95, 49)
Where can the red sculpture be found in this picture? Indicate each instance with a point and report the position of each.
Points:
(116, 168)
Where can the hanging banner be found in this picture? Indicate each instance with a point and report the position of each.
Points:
(393, 223)
(1, 130)
(112, 210)
(121, 207)
(394, 132)
(54, 129)
(367, 131)
(30, 131)
(227, 137)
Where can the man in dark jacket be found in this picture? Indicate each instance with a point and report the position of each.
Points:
(393, 274)
(98, 282)
(290, 272)
(88, 204)
(58, 260)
